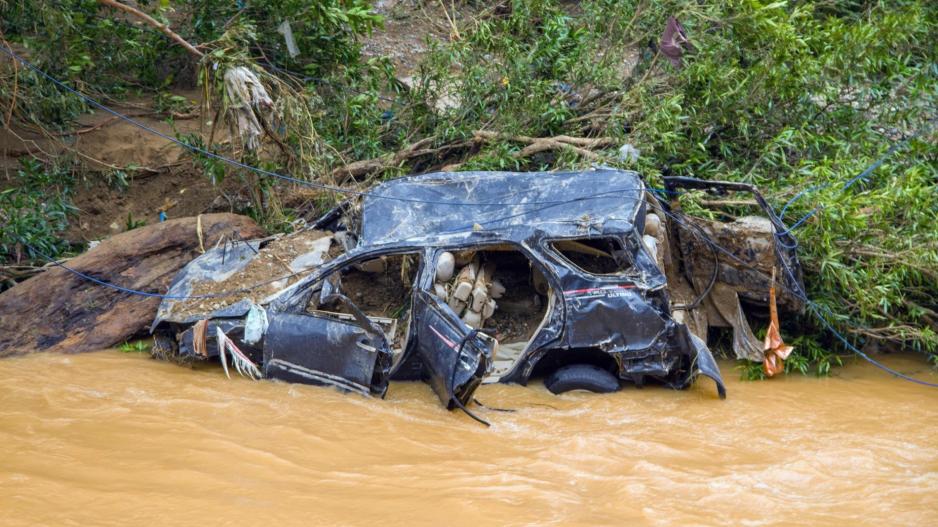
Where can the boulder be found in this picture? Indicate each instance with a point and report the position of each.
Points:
(60, 311)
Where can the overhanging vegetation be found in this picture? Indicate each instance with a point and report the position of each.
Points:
(794, 97)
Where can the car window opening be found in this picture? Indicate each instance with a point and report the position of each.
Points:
(599, 256)
(381, 289)
(497, 290)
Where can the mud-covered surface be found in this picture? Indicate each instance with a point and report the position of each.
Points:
(125, 175)
(384, 292)
(104, 208)
(273, 268)
(408, 24)
(521, 309)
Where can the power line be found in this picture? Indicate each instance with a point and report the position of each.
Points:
(852, 181)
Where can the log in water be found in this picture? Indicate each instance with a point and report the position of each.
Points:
(118, 439)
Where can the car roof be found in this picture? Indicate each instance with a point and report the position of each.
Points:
(451, 205)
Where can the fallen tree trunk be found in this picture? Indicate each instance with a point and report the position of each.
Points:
(366, 167)
(60, 311)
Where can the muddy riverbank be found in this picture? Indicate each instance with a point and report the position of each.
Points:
(117, 439)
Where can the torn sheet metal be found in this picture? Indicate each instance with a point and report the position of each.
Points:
(582, 248)
(723, 281)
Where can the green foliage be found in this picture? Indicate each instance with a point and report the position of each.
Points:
(325, 31)
(132, 224)
(33, 210)
(137, 346)
(786, 95)
(789, 98)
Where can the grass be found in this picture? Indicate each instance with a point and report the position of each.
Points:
(137, 346)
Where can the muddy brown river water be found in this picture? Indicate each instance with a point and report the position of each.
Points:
(118, 439)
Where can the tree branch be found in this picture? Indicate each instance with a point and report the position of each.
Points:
(155, 23)
(364, 167)
(580, 145)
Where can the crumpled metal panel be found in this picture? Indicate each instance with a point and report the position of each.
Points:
(442, 204)
(456, 359)
(624, 315)
(217, 263)
(317, 349)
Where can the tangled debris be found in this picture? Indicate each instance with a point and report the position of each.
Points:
(254, 271)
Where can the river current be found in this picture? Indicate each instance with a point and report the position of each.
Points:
(112, 438)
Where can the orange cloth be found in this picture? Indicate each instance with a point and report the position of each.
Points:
(775, 349)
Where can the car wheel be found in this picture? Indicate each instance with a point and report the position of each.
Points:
(582, 377)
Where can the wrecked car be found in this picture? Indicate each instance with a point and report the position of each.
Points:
(465, 278)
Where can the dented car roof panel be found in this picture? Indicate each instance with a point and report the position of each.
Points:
(443, 204)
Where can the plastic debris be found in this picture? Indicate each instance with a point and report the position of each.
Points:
(255, 324)
(628, 152)
(248, 103)
(287, 32)
(239, 360)
(674, 41)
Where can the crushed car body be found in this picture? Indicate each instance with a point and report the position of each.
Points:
(460, 279)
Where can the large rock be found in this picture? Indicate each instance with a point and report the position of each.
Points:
(59, 311)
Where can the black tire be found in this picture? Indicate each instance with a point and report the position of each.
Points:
(581, 377)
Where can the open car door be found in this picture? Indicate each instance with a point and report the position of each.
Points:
(456, 357)
(346, 350)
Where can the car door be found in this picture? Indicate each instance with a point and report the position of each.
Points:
(455, 356)
(346, 350)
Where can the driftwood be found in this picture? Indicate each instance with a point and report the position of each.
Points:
(59, 311)
(581, 145)
(365, 167)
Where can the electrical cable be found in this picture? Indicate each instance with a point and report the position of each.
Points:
(706, 292)
(852, 181)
